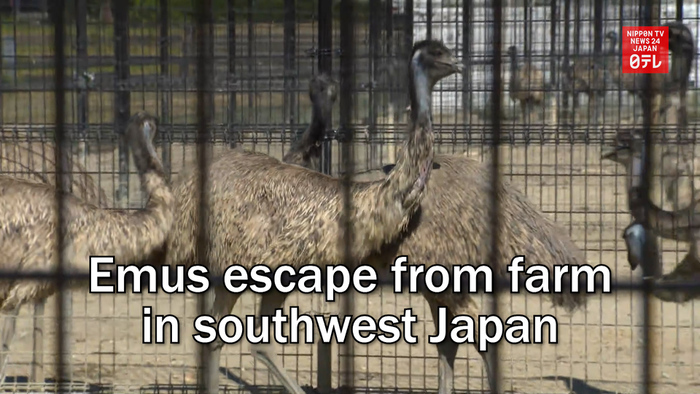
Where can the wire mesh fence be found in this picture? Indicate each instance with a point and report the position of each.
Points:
(223, 77)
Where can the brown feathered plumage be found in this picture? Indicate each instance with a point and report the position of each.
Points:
(35, 162)
(29, 223)
(527, 84)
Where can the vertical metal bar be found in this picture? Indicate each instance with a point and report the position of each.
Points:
(405, 54)
(429, 19)
(567, 40)
(389, 48)
(408, 29)
(251, 44)
(290, 72)
(526, 29)
(554, 20)
(325, 64)
(205, 69)
(649, 17)
(165, 87)
(2, 72)
(577, 47)
(598, 27)
(61, 185)
(324, 377)
(347, 85)
(122, 95)
(81, 72)
(679, 10)
(375, 9)
(492, 356)
(232, 72)
(466, 60)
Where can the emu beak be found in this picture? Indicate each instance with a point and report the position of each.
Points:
(457, 66)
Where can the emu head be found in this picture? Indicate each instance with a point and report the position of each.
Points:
(140, 134)
(628, 144)
(611, 38)
(435, 60)
(628, 152)
(323, 92)
(141, 124)
(512, 52)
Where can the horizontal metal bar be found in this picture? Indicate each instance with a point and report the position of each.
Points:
(218, 280)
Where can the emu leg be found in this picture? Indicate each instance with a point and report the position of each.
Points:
(265, 353)
(594, 106)
(490, 375)
(222, 305)
(523, 110)
(683, 113)
(447, 352)
(8, 332)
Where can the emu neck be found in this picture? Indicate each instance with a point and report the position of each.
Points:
(421, 94)
(319, 122)
(513, 65)
(154, 221)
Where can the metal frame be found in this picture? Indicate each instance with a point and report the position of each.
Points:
(324, 53)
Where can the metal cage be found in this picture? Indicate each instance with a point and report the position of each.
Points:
(221, 75)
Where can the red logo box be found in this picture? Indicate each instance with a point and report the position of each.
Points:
(645, 50)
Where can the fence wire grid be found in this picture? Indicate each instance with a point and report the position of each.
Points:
(221, 76)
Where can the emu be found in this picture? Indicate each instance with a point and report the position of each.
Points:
(266, 212)
(29, 225)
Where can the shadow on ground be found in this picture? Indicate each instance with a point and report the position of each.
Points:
(577, 386)
(15, 383)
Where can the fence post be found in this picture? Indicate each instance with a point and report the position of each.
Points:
(252, 82)
(405, 53)
(553, 69)
(565, 46)
(61, 151)
(207, 372)
(290, 69)
(81, 77)
(2, 69)
(388, 96)
(492, 357)
(577, 51)
(650, 108)
(122, 96)
(347, 86)
(466, 60)
(374, 55)
(164, 83)
(429, 19)
(325, 64)
(232, 72)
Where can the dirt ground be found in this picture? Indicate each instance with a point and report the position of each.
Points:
(600, 347)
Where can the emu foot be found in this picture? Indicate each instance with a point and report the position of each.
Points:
(687, 270)
(635, 236)
(265, 353)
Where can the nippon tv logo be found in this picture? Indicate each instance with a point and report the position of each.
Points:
(645, 50)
